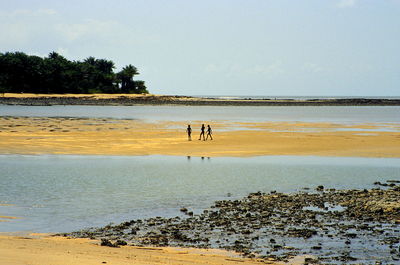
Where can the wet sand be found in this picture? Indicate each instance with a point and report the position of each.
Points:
(45, 250)
(87, 136)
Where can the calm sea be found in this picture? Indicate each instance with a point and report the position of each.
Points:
(337, 114)
(293, 97)
(61, 193)
(64, 193)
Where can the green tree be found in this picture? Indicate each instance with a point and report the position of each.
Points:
(2, 91)
(140, 87)
(125, 77)
(55, 74)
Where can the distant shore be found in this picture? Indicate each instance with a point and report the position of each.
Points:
(149, 99)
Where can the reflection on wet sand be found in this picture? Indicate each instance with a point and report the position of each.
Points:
(101, 136)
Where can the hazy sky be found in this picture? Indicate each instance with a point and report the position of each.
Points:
(222, 47)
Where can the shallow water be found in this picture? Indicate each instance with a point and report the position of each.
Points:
(61, 193)
(330, 114)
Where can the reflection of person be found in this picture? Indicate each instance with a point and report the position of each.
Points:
(209, 132)
(189, 132)
(202, 132)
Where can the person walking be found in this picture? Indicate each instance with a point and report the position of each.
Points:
(202, 132)
(189, 132)
(209, 132)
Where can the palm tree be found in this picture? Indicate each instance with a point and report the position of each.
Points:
(105, 66)
(126, 78)
(90, 60)
(54, 55)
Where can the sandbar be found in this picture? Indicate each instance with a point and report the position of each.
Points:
(96, 136)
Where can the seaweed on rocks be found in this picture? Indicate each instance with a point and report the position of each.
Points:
(349, 226)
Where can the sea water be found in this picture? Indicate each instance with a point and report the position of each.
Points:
(61, 193)
(329, 114)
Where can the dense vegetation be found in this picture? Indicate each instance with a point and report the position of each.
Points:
(22, 73)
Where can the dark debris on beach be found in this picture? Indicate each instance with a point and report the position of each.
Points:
(333, 226)
(192, 101)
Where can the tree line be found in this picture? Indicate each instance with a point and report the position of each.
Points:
(22, 73)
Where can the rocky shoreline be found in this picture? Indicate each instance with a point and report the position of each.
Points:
(333, 226)
(193, 101)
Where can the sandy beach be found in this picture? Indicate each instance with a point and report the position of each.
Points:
(84, 136)
(43, 250)
(106, 113)
(106, 136)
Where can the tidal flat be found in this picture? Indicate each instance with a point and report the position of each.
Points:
(111, 136)
(275, 183)
(345, 226)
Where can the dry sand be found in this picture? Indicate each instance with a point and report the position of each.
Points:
(45, 250)
(97, 96)
(30, 135)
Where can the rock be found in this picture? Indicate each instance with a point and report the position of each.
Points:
(351, 235)
(393, 181)
(121, 243)
(108, 243)
(243, 225)
(311, 260)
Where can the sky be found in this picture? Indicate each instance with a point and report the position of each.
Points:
(222, 47)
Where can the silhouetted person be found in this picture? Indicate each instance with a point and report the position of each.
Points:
(189, 132)
(202, 132)
(209, 132)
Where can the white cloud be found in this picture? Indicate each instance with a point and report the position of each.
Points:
(21, 26)
(101, 31)
(267, 71)
(212, 68)
(63, 51)
(361, 68)
(32, 52)
(13, 34)
(312, 68)
(346, 3)
(271, 70)
(49, 12)
(72, 32)
(28, 12)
